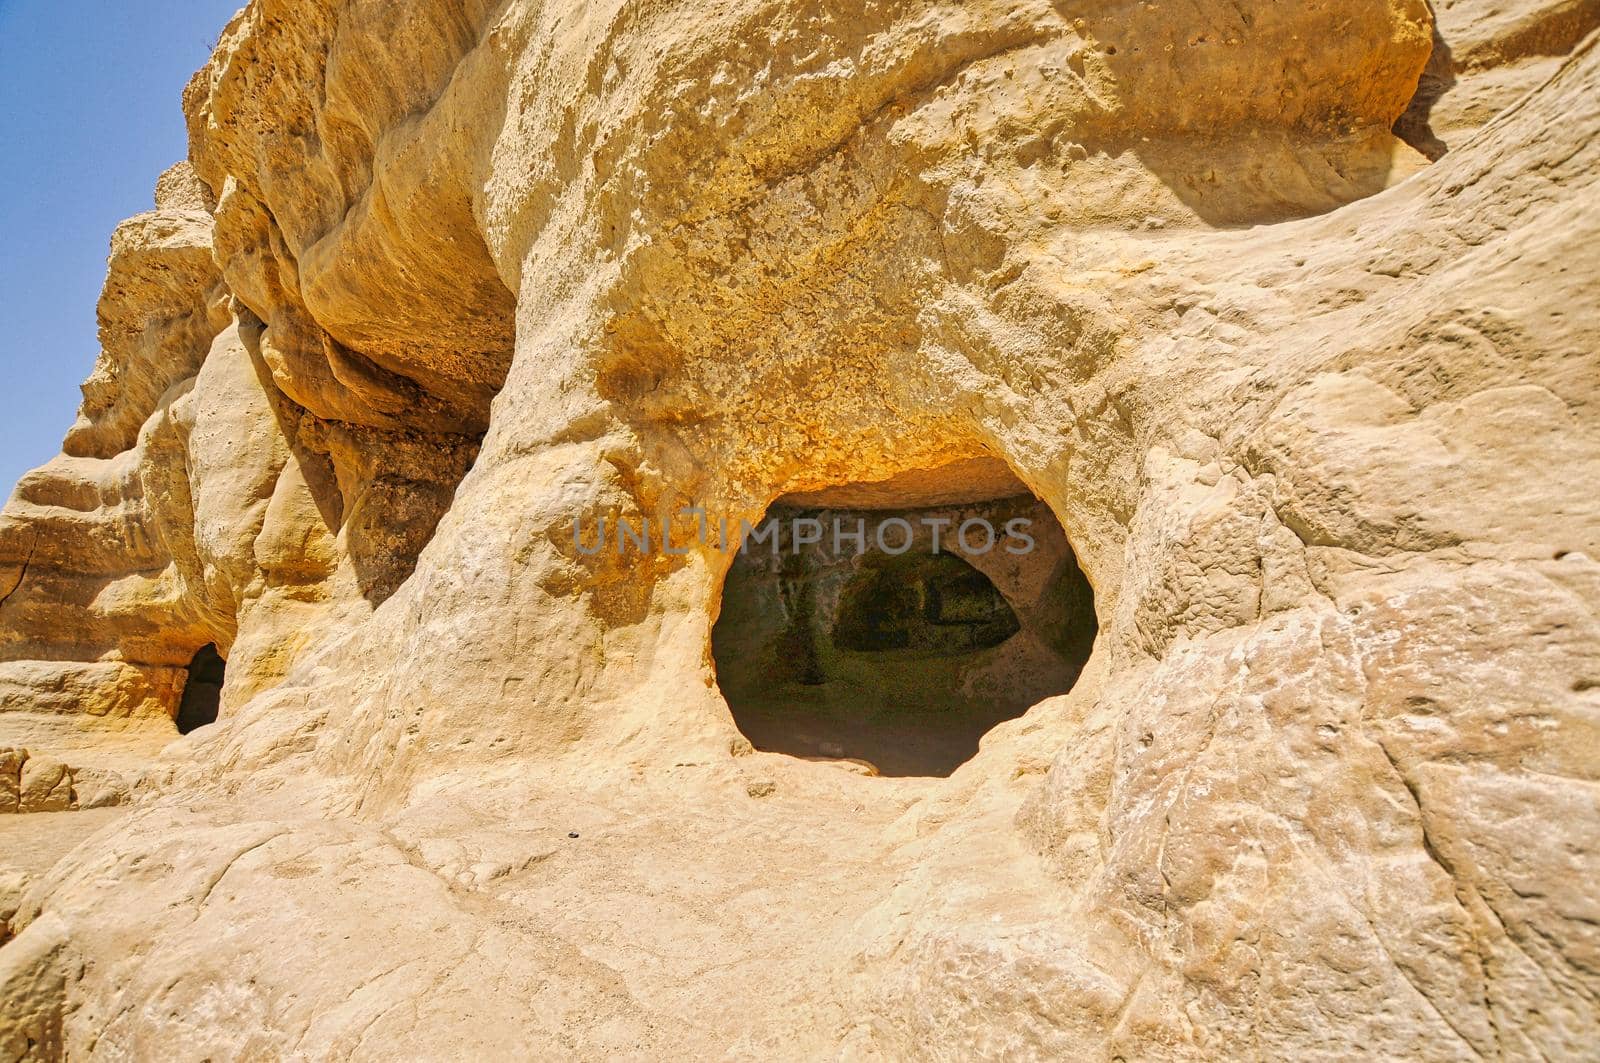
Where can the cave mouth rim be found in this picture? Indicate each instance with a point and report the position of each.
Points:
(973, 480)
(813, 694)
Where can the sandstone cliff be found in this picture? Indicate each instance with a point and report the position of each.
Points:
(1287, 313)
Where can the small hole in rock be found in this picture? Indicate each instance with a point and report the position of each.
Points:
(202, 692)
(877, 647)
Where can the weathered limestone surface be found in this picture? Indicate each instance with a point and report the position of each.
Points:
(1289, 312)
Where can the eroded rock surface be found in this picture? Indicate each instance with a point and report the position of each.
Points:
(1287, 313)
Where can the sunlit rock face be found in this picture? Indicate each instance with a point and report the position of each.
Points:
(1280, 320)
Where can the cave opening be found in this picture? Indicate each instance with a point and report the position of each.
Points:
(202, 690)
(896, 624)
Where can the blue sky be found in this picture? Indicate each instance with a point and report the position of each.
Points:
(89, 117)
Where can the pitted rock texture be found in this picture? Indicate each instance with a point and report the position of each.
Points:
(1286, 312)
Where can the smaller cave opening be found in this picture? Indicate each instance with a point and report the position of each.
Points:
(936, 604)
(202, 691)
(904, 632)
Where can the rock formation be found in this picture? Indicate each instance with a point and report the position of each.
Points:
(1283, 315)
